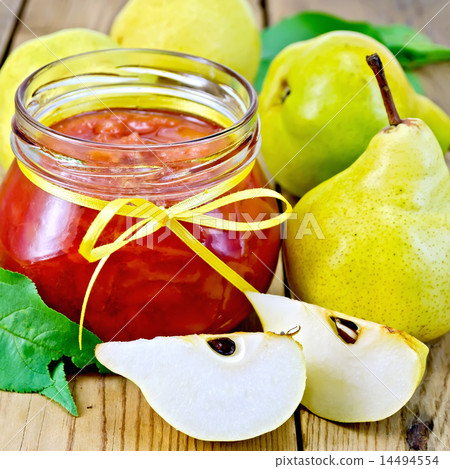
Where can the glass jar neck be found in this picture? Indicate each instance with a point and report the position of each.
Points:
(135, 79)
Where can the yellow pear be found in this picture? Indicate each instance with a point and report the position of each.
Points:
(32, 55)
(223, 31)
(320, 107)
(385, 220)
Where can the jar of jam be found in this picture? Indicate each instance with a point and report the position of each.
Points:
(135, 123)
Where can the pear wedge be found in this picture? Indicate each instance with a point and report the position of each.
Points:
(358, 371)
(214, 387)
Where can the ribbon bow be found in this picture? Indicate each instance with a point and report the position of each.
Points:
(153, 217)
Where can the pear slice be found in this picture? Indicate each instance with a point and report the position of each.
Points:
(214, 387)
(358, 371)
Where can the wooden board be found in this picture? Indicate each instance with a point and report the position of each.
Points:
(8, 21)
(113, 413)
(41, 17)
(113, 416)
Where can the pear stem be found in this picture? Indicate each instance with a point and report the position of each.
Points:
(376, 65)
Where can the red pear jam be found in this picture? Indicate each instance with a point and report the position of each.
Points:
(154, 286)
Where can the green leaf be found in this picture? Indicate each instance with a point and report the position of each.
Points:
(59, 391)
(415, 81)
(34, 336)
(413, 49)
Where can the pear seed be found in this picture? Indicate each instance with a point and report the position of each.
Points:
(223, 345)
(347, 330)
(291, 332)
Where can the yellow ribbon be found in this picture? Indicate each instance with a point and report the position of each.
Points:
(152, 218)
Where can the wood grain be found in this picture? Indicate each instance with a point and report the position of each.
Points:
(47, 16)
(113, 416)
(413, 12)
(8, 11)
(426, 416)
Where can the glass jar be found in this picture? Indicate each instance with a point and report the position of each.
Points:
(156, 285)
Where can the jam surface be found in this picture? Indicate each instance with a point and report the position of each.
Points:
(136, 127)
(153, 286)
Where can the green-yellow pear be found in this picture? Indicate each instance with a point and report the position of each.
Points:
(320, 107)
(223, 31)
(385, 221)
(32, 55)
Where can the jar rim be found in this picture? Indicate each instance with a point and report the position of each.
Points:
(250, 113)
(164, 78)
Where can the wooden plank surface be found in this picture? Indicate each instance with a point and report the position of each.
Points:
(113, 416)
(428, 409)
(46, 16)
(113, 413)
(8, 20)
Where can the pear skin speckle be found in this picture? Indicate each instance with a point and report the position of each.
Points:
(386, 221)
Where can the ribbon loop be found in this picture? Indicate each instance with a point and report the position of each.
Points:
(196, 209)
